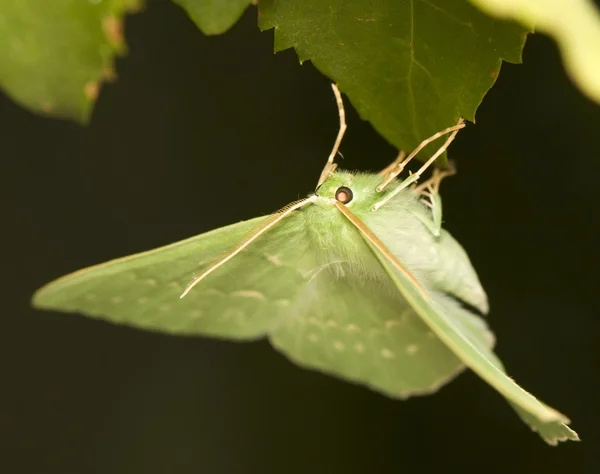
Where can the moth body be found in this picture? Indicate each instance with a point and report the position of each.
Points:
(437, 261)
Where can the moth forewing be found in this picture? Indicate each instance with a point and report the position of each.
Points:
(269, 223)
(540, 414)
(456, 341)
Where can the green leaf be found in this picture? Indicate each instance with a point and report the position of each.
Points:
(410, 67)
(55, 54)
(574, 24)
(214, 17)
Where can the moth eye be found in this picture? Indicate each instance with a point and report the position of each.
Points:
(344, 194)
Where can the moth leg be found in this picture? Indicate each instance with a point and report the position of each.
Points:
(400, 158)
(413, 178)
(433, 183)
(432, 218)
(402, 164)
(430, 192)
(330, 166)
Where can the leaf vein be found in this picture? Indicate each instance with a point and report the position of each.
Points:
(449, 15)
(411, 95)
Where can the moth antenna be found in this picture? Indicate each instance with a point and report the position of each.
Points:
(414, 177)
(395, 171)
(399, 159)
(255, 234)
(371, 237)
(330, 165)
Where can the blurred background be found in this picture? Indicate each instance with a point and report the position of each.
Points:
(201, 132)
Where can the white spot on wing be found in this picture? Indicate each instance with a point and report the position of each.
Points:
(386, 353)
(411, 349)
(249, 294)
(274, 259)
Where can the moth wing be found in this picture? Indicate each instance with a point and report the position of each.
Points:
(437, 254)
(364, 331)
(342, 326)
(551, 432)
(455, 274)
(445, 321)
(242, 299)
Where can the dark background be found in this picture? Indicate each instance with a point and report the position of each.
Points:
(201, 132)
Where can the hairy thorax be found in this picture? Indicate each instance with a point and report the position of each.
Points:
(340, 245)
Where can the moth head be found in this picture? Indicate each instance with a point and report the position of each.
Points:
(357, 191)
(338, 186)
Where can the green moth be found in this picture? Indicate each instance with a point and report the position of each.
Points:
(358, 280)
